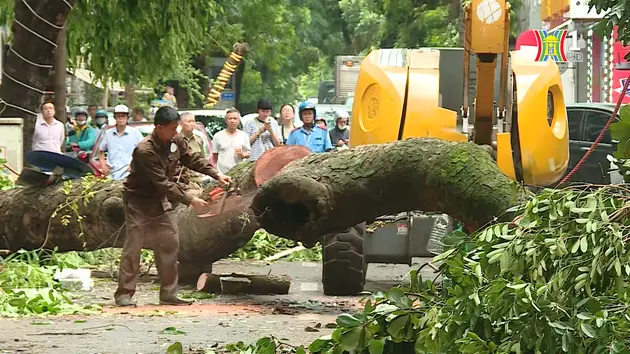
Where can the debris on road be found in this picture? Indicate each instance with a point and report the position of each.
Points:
(284, 253)
(255, 284)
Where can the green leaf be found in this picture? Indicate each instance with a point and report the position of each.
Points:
(444, 255)
(624, 114)
(350, 339)
(478, 272)
(584, 316)
(320, 344)
(172, 331)
(617, 266)
(266, 345)
(565, 342)
(576, 246)
(517, 286)
(583, 244)
(397, 325)
(618, 347)
(560, 325)
(175, 348)
(376, 346)
(588, 330)
(347, 321)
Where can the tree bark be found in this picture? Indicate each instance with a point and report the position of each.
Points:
(33, 63)
(130, 92)
(26, 223)
(105, 98)
(255, 284)
(326, 193)
(60, 76)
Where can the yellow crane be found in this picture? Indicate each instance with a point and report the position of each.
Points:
(405, 93)
(399, 91)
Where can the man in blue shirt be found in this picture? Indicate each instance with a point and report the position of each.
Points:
(119, 142)
(313, 137)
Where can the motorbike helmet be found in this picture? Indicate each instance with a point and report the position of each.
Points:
(341, 113)
(80, 111)
(100, 118)
(305, 106)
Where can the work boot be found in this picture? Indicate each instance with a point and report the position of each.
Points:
(125, 302)
(175, 301)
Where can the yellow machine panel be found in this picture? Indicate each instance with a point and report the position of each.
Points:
(487, 18)
(424, 117)
(544, 146)
(379, 97)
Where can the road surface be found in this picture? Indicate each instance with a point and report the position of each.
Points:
(299, 317)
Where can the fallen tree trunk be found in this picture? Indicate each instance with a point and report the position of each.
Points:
(326, 193)
(26, 222)
(234, 283)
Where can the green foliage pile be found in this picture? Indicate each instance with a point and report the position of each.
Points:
(264, 244)
(554, 280)
(27, 286)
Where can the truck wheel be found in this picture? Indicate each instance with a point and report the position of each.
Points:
(344, 266)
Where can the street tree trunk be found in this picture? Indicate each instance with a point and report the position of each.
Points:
(28, 74)
(26, 222)
(326, 193)
(60, 76)
(130, 92)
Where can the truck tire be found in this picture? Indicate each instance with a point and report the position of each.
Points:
(344, 266)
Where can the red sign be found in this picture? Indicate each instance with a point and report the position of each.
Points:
(619, 76)
(527, 39)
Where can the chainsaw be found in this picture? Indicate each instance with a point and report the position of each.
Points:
(218, 196)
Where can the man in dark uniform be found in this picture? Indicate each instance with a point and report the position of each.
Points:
(148, 193)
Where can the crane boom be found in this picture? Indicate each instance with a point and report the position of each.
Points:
(487, 24)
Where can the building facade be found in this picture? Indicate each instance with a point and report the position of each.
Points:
(600, 75)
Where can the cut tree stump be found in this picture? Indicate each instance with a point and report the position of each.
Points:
(234, 283)
(25, 214)
(330, 192)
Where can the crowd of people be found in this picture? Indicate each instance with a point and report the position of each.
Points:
(230, 146)
(265, 132)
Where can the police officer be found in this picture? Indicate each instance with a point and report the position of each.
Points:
(310, 135)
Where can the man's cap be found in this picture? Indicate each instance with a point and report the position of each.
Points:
(121, 108)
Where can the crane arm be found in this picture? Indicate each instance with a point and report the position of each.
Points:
(238, 51)
(487, 25)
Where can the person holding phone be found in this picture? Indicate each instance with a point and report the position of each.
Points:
(263, 131)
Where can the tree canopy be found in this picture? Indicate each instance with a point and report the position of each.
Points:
(144, 41)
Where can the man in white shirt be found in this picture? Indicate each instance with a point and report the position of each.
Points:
(49, 134)
(230, 146)
(119, 142)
